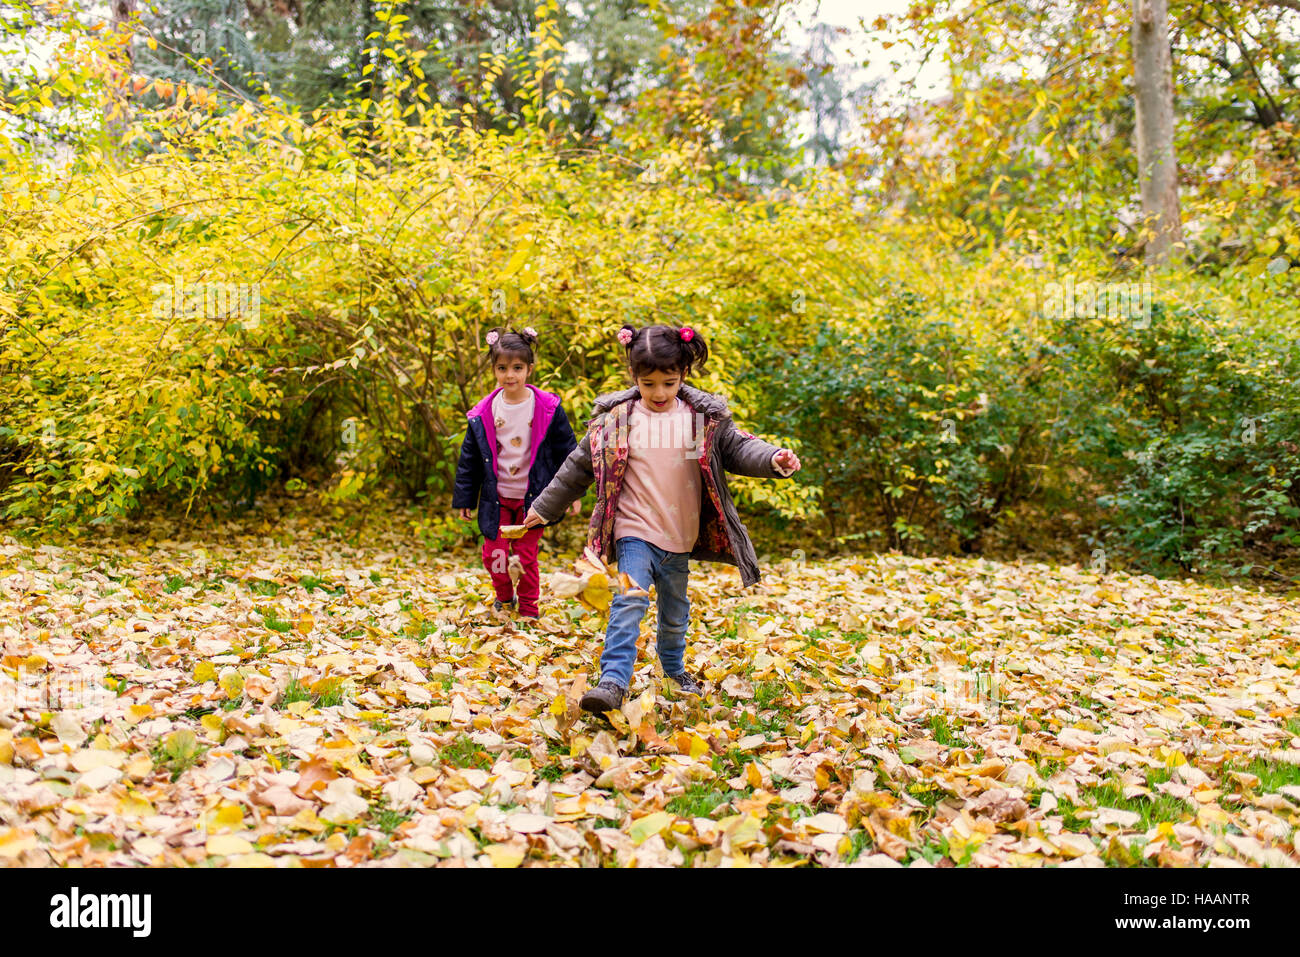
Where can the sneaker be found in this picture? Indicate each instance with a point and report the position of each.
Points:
(687, 684)
(606, 696)
(501, 606)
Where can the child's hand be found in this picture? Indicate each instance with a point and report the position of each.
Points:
(787, 460)
(532, 519)
(467, 514)
(576, 508)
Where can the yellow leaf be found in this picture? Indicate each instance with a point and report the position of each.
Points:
(225, 817)
(305, 623)
(504, 855)
(133, 805)
(651, 824)
(15, 840)
(597, 594)
(306, 820)
(232, 683)
(1211, 814)
(221, 845)
(741, 829)
(517, 260)
(204, 671)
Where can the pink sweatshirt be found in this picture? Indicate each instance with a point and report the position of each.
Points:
(514, 429)
(660, 498)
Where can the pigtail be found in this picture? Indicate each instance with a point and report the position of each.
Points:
(501, 341)
(663, 347)
(695, 352)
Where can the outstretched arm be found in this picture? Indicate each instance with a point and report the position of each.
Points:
(569, 484)
(746, 454)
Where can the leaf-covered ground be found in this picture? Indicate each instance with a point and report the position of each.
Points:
(278, 698)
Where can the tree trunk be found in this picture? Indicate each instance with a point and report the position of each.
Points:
(1157, 161)
(122, 12)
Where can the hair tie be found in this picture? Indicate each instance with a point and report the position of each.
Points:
(530, 332)
(492, 337)
(687, 333)
(625, 335)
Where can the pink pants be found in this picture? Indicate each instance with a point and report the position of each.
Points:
(496, 558)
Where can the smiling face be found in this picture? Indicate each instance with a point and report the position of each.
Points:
(512, 375)
(659, 389)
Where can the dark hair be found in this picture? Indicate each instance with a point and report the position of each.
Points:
(511, 345)
(661, 348)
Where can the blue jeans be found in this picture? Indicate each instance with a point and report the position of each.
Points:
(645, 563)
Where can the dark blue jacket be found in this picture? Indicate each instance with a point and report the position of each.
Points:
(476, 473)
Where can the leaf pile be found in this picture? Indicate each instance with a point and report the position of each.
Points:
(275, 697)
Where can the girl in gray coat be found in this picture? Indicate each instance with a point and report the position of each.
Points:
(659, 453)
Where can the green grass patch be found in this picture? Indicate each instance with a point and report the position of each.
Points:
(264, 588)
(335, 694)
(702, 799)
(927, 792)
(1151, 811)
(464, 753)
(943, 733)
(386, 819)
(295, 691)
(859, 841)
(1272, 774)
(274, 622)
(177, 752)
(311, 582)
(934, 852)
(767, 693)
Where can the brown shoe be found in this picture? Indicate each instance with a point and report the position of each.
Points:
(606, 696)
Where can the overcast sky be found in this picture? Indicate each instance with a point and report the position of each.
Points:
(862, 43)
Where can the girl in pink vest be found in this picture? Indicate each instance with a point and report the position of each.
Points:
(518, 437)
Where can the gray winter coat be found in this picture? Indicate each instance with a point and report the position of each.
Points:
(723, 448)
